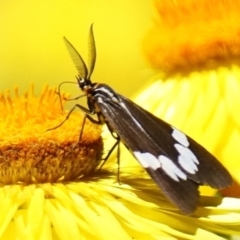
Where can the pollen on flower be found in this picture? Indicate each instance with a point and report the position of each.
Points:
(29, 153)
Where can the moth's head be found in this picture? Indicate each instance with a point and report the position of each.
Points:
(84, 84)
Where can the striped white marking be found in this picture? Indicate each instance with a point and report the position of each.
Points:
(187, 159)
(100, 99)
(180, 137)
(171, 169)
(147, 160)
(105, 90)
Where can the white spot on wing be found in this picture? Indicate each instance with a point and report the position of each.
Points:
(180, 137)
(187, 159)
(171, 169)
(147, 160)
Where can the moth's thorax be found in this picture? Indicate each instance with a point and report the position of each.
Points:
(101, 94)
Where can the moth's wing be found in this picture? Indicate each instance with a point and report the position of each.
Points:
(210, 170)
(183, 192)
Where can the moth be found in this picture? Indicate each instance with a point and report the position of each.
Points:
(176, 162)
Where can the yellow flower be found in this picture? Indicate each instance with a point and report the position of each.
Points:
(29, 153)
(54, 201)
(195, 46)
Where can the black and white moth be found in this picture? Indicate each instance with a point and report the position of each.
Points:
(174, 161)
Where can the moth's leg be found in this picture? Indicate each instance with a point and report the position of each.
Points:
(116, 144)
(110, 152)
(86, 110)
(86, 116)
